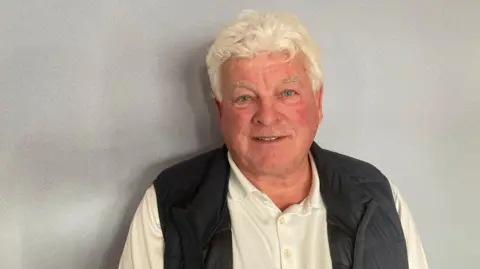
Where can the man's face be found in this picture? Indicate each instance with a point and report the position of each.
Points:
(269, 114)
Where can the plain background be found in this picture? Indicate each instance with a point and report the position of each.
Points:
(97, 97)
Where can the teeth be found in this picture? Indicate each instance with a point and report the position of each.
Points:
(267, 138)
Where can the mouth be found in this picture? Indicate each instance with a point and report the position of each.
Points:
(268, 138)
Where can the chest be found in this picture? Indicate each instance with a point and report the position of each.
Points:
(265, 237)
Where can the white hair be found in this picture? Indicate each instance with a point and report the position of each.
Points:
(253, 33)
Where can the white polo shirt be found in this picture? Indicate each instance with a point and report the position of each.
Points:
(262, 235)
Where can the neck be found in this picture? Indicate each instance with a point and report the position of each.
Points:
(287, 189)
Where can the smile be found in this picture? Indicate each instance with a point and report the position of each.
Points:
(267, 138)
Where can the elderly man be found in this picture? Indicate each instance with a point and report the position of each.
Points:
(271, 197)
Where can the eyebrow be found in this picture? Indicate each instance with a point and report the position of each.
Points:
(242, 84)
(289, 80)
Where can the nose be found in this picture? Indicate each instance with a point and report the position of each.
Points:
(266, 113)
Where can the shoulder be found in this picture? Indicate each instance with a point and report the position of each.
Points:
(360, 179)
(180, 182)
(400, 203)
(352, 167)
(146, 216)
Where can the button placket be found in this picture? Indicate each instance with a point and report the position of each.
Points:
(285, 249)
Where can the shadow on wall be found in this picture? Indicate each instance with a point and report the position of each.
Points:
(197, 92)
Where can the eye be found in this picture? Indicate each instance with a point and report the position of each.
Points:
(288, 93)
(243, 99)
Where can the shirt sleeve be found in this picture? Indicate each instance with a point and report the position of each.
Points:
(144, 246)
(416, 254)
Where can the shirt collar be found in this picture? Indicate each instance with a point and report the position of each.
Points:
(240, 187)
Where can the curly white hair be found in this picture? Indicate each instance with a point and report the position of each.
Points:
(253, 33)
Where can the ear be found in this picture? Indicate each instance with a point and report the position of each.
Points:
(319, 101)
(218, 105)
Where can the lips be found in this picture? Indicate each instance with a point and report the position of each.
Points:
(267, 138)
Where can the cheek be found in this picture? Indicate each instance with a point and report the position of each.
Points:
(236, 121)
(304, 116)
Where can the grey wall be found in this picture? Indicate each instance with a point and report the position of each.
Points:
(96, 97)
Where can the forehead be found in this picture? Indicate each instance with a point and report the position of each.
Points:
(273, 64)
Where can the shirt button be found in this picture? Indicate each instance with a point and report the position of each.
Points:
(287, 252)
(281, 220)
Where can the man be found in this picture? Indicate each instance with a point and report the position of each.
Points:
(271, 197)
